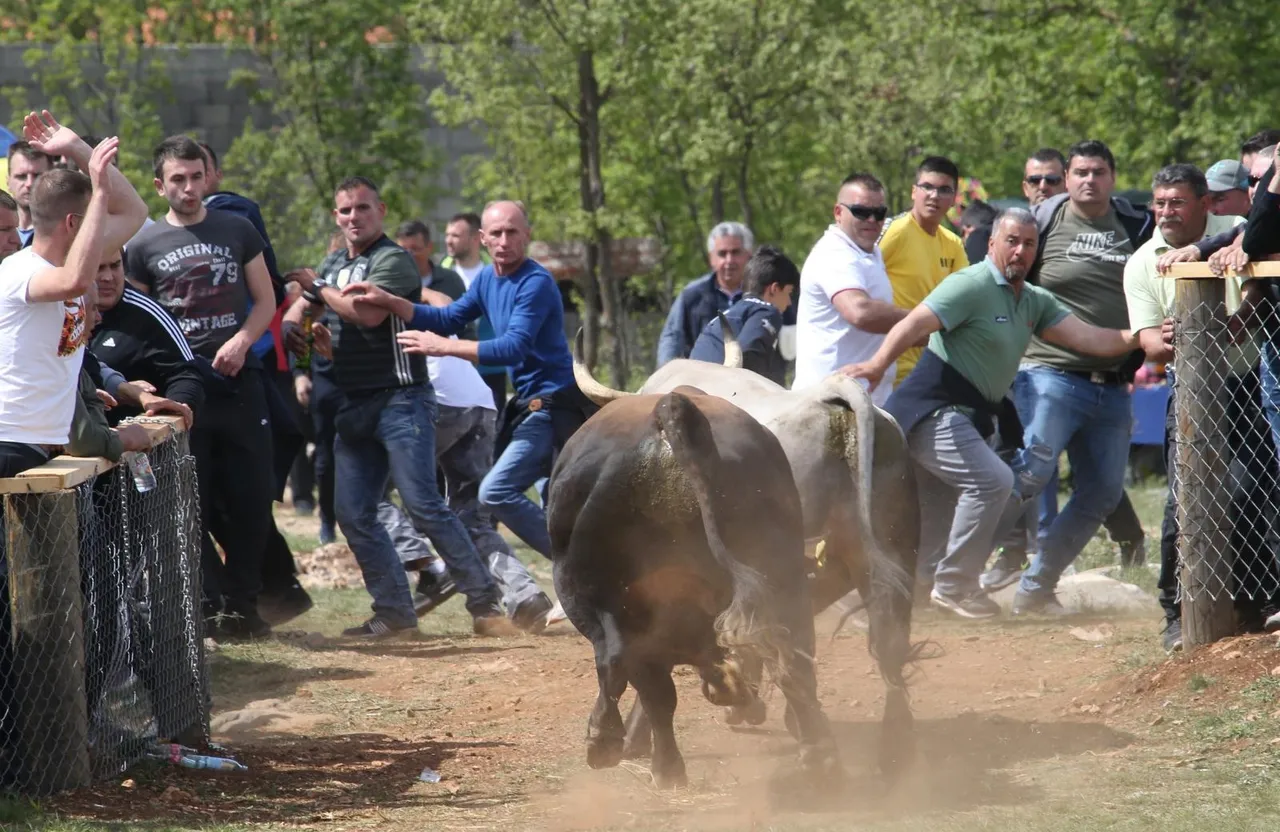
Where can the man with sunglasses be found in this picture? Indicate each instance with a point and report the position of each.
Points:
(918, 252)
(1045, 175)
(846, 301)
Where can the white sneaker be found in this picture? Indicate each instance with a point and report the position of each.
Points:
(556, 615)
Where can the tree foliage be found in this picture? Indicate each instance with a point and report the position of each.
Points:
(619, 118)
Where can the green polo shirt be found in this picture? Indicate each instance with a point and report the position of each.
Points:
(986, 327)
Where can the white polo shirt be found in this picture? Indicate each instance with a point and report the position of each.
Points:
(825, 341)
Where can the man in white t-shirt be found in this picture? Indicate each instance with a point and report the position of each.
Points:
(44, 324)
(846, 300)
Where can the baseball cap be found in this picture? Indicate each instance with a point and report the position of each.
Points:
(1227, 175)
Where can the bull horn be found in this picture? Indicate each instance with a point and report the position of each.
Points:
(732, 351)
(587, 383)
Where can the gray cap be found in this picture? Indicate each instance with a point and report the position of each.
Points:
(1227, 175)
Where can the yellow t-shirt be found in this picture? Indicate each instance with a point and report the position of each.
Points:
(917, 261)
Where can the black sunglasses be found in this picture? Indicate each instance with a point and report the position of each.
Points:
(1048, 180)
(862, 212)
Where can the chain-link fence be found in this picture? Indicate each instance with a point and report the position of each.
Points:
(1224, 476)
(101, 649)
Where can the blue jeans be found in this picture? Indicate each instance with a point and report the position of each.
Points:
(1269, 373)
(1093, 424)
(403, 447)
(526, 460)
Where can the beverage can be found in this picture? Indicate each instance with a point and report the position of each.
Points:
(144, 478)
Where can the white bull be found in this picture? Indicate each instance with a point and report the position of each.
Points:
(858, 493)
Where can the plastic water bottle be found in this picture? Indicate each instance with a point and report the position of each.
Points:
(215, 763)
(144, 479)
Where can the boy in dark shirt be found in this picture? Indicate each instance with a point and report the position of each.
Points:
(768, 287)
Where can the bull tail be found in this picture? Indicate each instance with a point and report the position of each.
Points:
(895, 543)
(746, 623)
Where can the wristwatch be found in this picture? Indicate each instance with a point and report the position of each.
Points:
(313, 294)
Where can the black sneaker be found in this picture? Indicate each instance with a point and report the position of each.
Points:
(531, 616)
(432, 591)
(973, 606)
(278, 606)
(378, 627)
(1038, 603)
(1173, 636)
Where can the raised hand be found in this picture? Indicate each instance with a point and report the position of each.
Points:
(100, 163)
(45, 134)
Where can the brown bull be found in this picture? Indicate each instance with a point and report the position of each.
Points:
(677, 538)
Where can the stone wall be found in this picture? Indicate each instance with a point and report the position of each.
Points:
(203, 104)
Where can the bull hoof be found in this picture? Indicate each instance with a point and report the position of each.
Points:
(754, 713)
(604, 752)
(723, 685)
(821, 760)
(670, 776)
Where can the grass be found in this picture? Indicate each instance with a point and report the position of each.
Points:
(1199, 682)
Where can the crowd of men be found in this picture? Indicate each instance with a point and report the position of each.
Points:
(996, 351)
(1000, 351)
(108, 313)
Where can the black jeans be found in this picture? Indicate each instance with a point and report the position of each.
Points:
(1251, 490)
(16, 457)
(232, 445)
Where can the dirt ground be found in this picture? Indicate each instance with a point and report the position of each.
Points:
(1021, 725)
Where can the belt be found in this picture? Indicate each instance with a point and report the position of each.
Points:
(1097, 377)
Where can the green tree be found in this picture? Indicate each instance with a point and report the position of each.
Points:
(339, 82)
(89, 65)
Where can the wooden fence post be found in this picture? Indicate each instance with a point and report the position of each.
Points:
(1201, 370)
(46, 643)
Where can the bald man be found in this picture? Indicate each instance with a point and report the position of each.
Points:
(521, 300)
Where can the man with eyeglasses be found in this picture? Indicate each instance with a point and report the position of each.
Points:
(1067, 399)
(1182, 202)
(918, 252)
(1044, 175)
(846, 301)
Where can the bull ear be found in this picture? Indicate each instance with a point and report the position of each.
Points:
(587, 383)
(732, 351)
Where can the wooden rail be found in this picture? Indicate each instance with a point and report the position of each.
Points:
(69, 471)
(1265, 268)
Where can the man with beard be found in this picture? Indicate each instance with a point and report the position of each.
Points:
(206, 268)
(979, 323)
(1183, 205)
